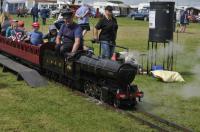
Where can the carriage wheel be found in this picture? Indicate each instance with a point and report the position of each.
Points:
(87, 88)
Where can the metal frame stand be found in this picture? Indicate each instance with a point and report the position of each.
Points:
(168, 53)
(143, 57)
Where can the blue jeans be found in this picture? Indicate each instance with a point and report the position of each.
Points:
(106, 49)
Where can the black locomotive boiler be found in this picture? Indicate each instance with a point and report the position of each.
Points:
(108, 80)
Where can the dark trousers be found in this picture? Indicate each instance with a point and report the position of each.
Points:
(44, 21)
(35, 18)
(61, 49)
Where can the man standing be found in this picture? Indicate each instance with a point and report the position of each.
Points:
(83, 18)
(184, 21)
(44, 14)
(34, 13)
(107, 37)
(69, 38)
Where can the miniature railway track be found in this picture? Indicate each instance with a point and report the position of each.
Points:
(156, 122)
(166, 122)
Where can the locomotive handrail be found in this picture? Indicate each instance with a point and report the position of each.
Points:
(99, 42)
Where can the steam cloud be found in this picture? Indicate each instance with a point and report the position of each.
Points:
(193, 89)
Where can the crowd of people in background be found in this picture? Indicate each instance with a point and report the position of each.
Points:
(44, 13)
(70, 35)
(67, 33)
(15, 30)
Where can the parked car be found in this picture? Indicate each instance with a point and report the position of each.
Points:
(140, 15)
(198, 18)
(193, 18)
(55, 13)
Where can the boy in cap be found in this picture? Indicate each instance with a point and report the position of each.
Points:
(35, 37)
(51, 35)
(69, 38)
(10, 28)
(21, 25)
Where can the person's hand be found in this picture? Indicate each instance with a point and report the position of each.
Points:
(96, 39)
(56, 45)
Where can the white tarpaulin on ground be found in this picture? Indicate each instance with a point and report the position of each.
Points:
(16, 1)
(168, 76)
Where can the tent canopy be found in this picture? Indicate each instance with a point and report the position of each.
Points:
(16, 1)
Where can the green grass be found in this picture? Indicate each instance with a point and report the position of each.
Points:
(53, 108)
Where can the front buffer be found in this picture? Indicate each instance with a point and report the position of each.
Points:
(128, 97)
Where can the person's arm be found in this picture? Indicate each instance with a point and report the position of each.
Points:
(96, 28)
(95, 33)
(32, 11)
(77, 14)
(58, 40)
(76, 45)
(28, 36)
(116, 29)
(41, 38)
(45, 36)
(60, 33)
(7, 32)
(78, 36)
(86, 13)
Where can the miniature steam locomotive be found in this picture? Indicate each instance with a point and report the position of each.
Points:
(107, 80)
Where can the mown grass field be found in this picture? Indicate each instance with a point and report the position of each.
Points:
(53, 108)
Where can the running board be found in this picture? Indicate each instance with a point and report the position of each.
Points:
(30, 76)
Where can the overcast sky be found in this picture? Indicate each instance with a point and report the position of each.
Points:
(178, 2)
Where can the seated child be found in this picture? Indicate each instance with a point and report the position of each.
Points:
(35, 37)
(21, 25)
(22, 28)
(51, 35)
(16, 33)
(10, 28)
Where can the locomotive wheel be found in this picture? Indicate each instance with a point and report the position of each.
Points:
(102, 98)
(103, 94)
(116, 103)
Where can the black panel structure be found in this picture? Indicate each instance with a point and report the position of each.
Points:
(161, 21)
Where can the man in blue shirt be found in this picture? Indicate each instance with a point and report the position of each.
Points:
(69, 38)
(83, 18)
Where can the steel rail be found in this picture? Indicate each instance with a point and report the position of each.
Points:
(164, 121)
